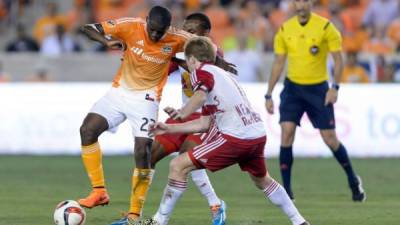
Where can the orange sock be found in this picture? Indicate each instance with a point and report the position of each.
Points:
(92, 159)
(141, 181)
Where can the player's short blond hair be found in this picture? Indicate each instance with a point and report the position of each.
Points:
(201, 48)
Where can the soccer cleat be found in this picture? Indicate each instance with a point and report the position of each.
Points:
(130, 219)
(358, 192)
(290, 194)
(122, 221)
(97, 197)
(218, 213)
(148, 222)
(305, 223)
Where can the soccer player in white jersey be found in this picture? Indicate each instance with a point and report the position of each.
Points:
(166, 144)
(234, 133)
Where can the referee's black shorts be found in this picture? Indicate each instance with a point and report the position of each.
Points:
(298, 98)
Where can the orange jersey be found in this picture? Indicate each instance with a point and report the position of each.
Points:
(145, 63)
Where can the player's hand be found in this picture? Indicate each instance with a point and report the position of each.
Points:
(269, 105)
(230, 67)
(331, 96)
(173, 113)
(116, 45)
(158, 128)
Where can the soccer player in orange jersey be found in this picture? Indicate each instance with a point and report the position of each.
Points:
(148, 46)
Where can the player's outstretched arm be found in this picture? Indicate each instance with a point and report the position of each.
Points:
(96, 33)
(220, 62)
(227, 66)
(180, 62)
(195, 102)
(277, 68)
(195, 126)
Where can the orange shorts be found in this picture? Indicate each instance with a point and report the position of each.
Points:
(173, 142)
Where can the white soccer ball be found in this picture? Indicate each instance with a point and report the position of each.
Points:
(69, 212)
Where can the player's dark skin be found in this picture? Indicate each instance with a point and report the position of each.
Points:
(193, 26)
(94, 124)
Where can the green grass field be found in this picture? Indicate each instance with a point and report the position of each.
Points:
(31, 186)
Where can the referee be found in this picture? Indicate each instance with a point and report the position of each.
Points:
(306, 39)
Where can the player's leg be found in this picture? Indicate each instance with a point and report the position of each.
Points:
(255, 166)
(104, 115)
(202, 181)
(291, 110)
(278, 196)
(158, 152)
(165, 145)
(200, 177)
(323, 118)
(142, 175)
(177, 184)
(92, 126)
(213, 155)
(288, 131)
(340, 153)
(142, 112)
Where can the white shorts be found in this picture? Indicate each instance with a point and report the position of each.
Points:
(140, 108)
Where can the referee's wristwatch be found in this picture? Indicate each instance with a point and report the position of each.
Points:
(267, 97)
(336, 86)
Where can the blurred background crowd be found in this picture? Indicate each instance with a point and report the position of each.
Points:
(243, 28)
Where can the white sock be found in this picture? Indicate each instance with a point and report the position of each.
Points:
(200, 178)
(172, 193)
(278, 196)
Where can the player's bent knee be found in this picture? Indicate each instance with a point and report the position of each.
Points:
(89, 135)
(332, 142)
(177, 166)
(153, 161)
(262, 182)
(157, 153)
(287, 139)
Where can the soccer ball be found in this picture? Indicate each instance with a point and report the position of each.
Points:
(69, 212)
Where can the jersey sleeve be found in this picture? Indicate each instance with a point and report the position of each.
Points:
(279, 43)
(203, 80)
(205, 111)
(119, 28)
(220, 52)
(183, 36)
(173, 66)
(333, 38)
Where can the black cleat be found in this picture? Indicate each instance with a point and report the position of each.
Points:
(290, 193)
(147, 222)
(305, 223)
(358, 192)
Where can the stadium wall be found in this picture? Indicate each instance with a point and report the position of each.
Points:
(45, 119)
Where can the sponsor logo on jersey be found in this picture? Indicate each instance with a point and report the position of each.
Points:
(166, 50)
(111, 22)
(149, 58)
(140, 42)
(137, 51)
